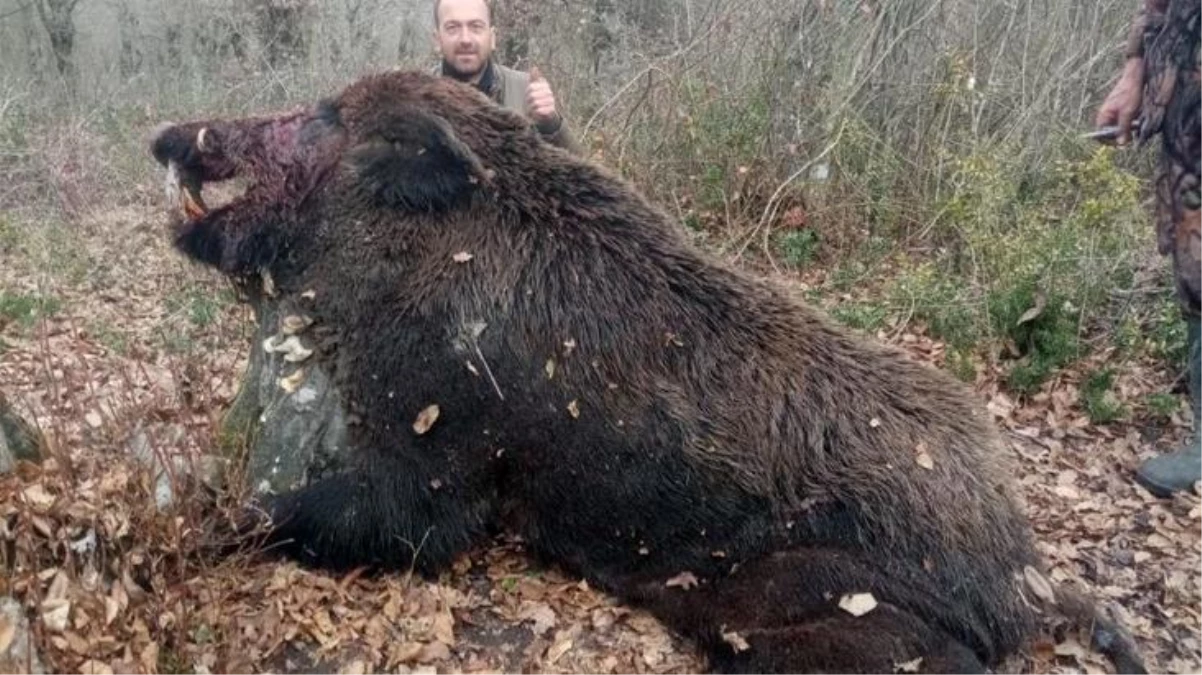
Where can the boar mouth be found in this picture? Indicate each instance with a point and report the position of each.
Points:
(279, 160)
(183, 190)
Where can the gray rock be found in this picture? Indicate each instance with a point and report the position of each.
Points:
(19, 440)
(287, 414)
(17, 654)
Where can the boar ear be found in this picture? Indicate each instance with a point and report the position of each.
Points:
(412, 160)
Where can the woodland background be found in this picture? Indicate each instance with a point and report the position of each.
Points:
(913, 166)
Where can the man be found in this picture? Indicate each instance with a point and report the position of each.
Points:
(1159, 87)
(465, 38)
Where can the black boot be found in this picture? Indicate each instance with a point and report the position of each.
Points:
(1179, 470)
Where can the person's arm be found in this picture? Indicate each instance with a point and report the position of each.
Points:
(1123, 102)
(540, 105)
(556, 133)
(1135, 38)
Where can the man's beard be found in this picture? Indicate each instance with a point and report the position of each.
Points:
(450, 69)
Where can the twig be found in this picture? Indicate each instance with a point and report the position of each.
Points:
(769, 208)
(488, 370)
(16, 11)
(634, 80)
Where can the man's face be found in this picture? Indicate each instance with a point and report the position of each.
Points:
(464, 36)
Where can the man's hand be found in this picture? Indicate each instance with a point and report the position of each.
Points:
(1123, 102)
(540, 101)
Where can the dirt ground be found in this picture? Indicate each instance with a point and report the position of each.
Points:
(141, 355)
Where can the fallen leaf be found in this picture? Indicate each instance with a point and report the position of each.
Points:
(574, 409)
(550, 368)
(149, 658)
(462, 257)
(1067, 491)
(874, 423)
(43, 526)
(426, 419)
(55, 614)
(77, 644)
(8, 630)
(1156, 540)
(92, 667)
(1039, 584)
(602, 619)
(444, 627)
(684, 580)
(1041, 301)
(735, 640)
(541, 614)
(1000, 406)
(59, 587)
(557, 650)
(406, 652)
(922, 457)
(37, 497)
(1071, 647)
(93, 419)
(309, 295)
(435, 651)
(907, 666)
(857, 604)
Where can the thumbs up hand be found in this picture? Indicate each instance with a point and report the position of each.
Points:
(540, 101)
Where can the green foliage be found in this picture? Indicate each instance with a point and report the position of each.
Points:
(25, 310)
(799, 247)
(941, 301)
(10, 235)
(1162, 405)
(872, 170)
(960, 363)
(1043, 330)
(1165, 334)
(861, 315)
(1098, 397)
(112, 338)
(724, 135)
(190, 310)
(199, 305)
(1031, 254)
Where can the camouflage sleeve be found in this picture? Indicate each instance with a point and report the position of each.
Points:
(1135, 37)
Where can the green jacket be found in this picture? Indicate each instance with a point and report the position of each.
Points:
(507, 87)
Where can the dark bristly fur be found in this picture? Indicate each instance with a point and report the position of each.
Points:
(632, 407)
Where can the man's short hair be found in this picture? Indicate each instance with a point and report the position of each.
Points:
(438, 3)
